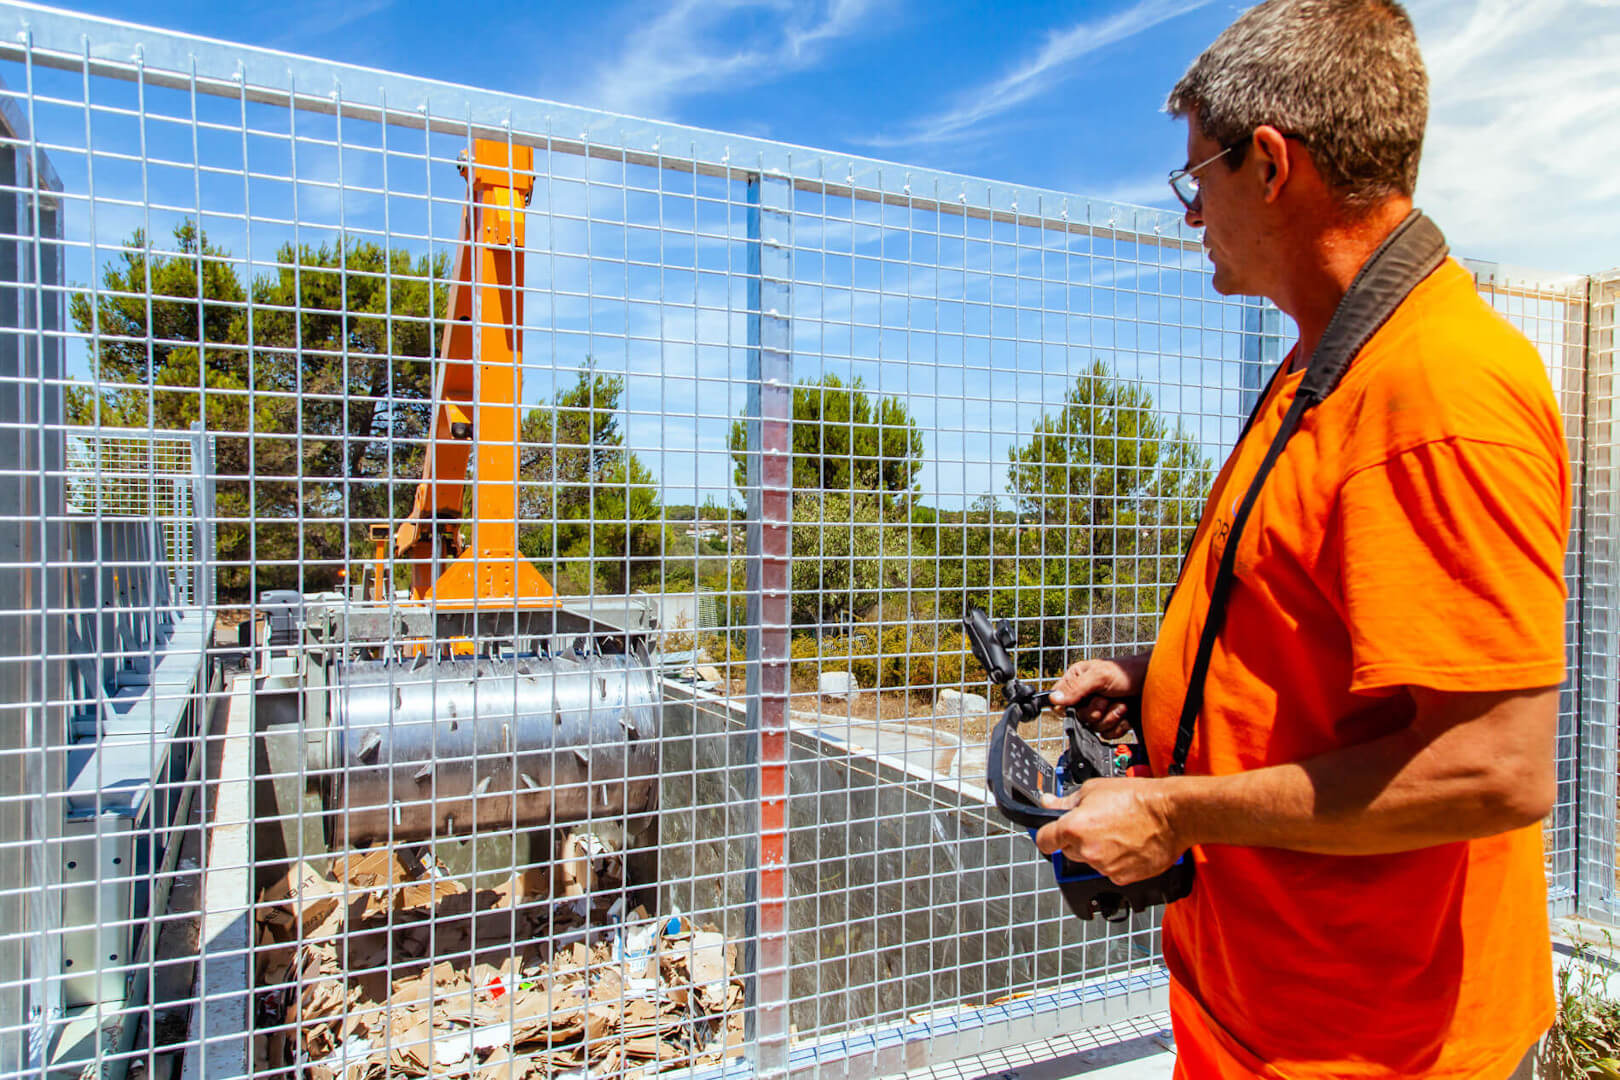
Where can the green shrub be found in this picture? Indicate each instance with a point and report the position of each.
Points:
(895, 656)
(1585, 1036)
(724, 653)
(805, 653)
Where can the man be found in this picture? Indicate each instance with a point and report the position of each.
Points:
(1375, 748)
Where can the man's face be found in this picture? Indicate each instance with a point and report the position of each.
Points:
(1225, 211)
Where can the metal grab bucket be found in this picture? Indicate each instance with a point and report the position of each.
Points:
(442, 748)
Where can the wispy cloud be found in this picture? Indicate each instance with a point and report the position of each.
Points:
(1050, 65)
(697, 46)
(1150, 190)
(1520, 163)
(308, 22)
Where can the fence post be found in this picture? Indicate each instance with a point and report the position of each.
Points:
(770, 410)
(1262, 351)
(1569, 373)
(201, 591)
(1600, 617)
(33, 634)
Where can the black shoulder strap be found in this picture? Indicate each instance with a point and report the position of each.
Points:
(1407, 256)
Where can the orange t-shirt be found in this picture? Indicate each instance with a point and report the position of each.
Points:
(1412, 533)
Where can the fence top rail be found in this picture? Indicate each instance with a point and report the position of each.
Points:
(1526, 281)
(67, 40)
(142, 434)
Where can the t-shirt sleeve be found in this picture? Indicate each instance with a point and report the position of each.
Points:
(1452, 565)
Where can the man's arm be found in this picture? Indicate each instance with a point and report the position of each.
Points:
(1469, 765)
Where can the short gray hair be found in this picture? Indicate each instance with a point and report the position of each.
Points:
(1345, 76)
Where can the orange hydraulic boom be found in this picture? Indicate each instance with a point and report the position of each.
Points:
(477, 402)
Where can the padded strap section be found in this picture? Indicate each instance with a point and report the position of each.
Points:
(1409, 254)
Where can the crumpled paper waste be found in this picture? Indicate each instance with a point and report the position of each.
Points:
(379, 965)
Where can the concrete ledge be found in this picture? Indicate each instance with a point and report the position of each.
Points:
(220, 1041)
(114, 764)
(1137, 1049)
(974, 1032)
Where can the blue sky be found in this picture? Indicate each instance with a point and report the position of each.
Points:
(1522, 164)
(979, 328)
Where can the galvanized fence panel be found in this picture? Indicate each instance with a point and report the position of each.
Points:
(1598, 869)
(31, 367)
(153, 475)
(1552, 311)
(656, 743)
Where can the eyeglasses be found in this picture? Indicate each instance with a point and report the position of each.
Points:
(1184, 182)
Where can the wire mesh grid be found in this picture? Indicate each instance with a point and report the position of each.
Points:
(1552, 311)
(146, 476)
(591, 506)
(1600, 634)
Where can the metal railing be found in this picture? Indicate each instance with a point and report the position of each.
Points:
(156, 475)
(818, 400)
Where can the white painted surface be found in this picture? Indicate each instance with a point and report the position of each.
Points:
(918, 745)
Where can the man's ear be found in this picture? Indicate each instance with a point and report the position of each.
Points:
(1271, 152)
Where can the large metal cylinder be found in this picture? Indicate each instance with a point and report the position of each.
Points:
(444, 748)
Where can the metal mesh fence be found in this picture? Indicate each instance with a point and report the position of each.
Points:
(149, 476)
(570, 680)
(1551, 310)
(1600, 635)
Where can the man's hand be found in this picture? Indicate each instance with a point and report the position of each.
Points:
(1119, 827)
(1098, 686)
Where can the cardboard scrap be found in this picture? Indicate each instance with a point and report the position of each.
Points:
(500, 1066)
(428, 893)
(374, 878)
(301, 900)
(386, 968)
(589, 864)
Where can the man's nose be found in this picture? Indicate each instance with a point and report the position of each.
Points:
(1195, 212)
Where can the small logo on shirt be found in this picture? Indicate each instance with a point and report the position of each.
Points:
(1217, 536)
(1222, 528)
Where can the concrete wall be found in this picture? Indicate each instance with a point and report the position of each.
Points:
(906, 894)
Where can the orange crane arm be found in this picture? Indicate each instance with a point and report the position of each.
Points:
(477, 399)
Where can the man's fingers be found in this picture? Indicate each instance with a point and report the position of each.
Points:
(1076, 684)
(1064, 692)
(1106, 716)
(1049, 838)
(1115, 723)
(1073, 690)
(1097, 710)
